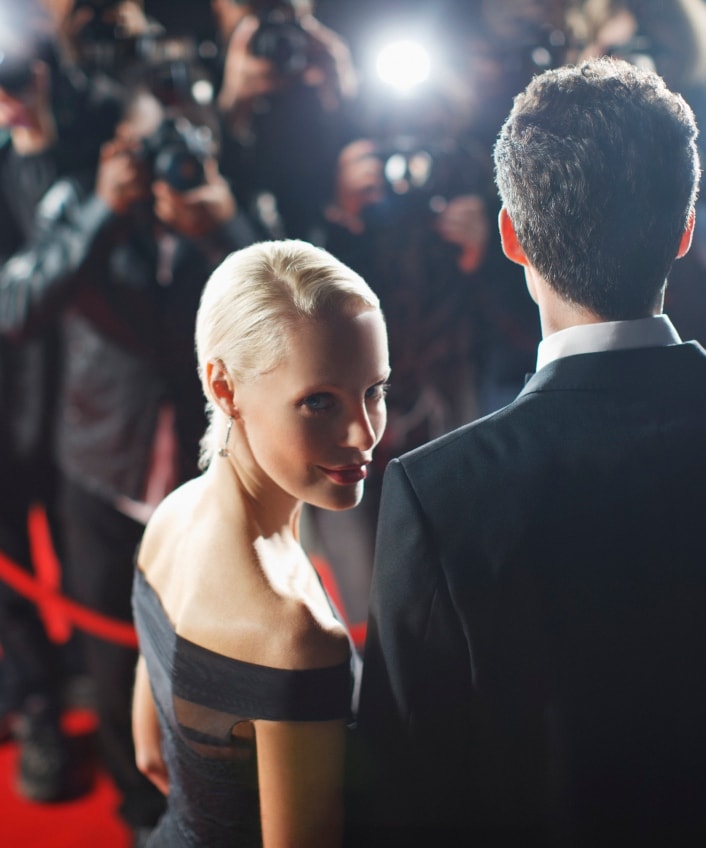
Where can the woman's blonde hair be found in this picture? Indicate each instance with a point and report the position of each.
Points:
(255, 296)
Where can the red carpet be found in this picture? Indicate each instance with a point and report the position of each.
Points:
(90, 818)
(83, 822)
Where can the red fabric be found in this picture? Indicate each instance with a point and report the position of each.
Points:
(56, 607)
(357, 630)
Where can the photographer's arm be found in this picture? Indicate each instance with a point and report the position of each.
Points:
(74, 232)
(43, 276)
(359, 183)
(332, 70)
(245, 77)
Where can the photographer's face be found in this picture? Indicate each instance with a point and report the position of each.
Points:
(142, 120)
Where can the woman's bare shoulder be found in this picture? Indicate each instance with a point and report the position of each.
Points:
(169, 520)
(306, 637)
(221, 590)
(182, 545)
(240, 616)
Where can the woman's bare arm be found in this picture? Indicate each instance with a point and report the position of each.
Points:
(300, 766)
(146, 731)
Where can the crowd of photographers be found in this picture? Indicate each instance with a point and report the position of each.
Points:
(131, 164)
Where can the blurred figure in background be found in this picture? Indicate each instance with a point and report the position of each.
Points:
(54, 122)
(119, 251)
(287, 82)
(123, 251)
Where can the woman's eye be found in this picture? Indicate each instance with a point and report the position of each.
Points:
(378, 391)
(319, 402)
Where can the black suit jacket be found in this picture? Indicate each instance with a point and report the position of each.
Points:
(535, 670)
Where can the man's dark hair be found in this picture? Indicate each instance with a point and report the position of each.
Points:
(598, 169)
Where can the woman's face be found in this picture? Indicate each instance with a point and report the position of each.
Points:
(312, 422)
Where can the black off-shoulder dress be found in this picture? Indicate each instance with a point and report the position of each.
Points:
(201, 696)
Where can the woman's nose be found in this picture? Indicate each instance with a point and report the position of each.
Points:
(361, 432)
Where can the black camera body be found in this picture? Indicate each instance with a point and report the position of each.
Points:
(15, 72)
(280, 38)
(176, 153)
(420, 175)
(99, 27)
(20, 47)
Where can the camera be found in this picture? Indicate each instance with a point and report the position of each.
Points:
(20, 47)
(280, 38)
(15, 71)
(101, 43)
(420, 176)
(176, 152)
(99, 27)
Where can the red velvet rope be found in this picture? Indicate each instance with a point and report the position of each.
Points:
(113, 630)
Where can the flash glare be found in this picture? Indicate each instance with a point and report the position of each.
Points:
(403, 65)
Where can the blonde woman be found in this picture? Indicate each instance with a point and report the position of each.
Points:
(244, 681)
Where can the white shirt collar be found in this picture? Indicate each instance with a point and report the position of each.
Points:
(656, 331)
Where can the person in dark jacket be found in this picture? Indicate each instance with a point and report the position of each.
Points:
(53, 122)
(124, 257)
(284, 97)
(533, 673)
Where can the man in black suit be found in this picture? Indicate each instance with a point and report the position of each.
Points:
(535, 664)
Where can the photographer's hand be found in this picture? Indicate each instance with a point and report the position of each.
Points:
(464, 221)
(130, 17)
(198, 212)
(121, 180)
(359, 182)
(331, 71)
(29, 116)
(245, 76)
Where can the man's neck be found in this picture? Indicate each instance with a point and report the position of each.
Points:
(556, 313)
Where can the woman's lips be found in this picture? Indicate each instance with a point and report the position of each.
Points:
(346, 475)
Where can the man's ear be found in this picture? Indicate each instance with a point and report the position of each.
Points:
(221, 386)
(687, 235)
(508, 239)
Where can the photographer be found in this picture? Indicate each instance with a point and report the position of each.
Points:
(102, 36)
(124, 253)
(421, 245)
(283, 98)
(53, 122)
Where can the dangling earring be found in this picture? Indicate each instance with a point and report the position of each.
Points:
(224, 450)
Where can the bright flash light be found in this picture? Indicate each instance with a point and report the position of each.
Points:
(403, 65)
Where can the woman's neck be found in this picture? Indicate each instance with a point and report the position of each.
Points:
(272, 511)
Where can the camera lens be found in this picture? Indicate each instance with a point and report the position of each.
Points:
(281, 40)
(15, 72)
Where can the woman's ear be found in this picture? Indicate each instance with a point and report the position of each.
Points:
(221, 387)
(508, 239)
